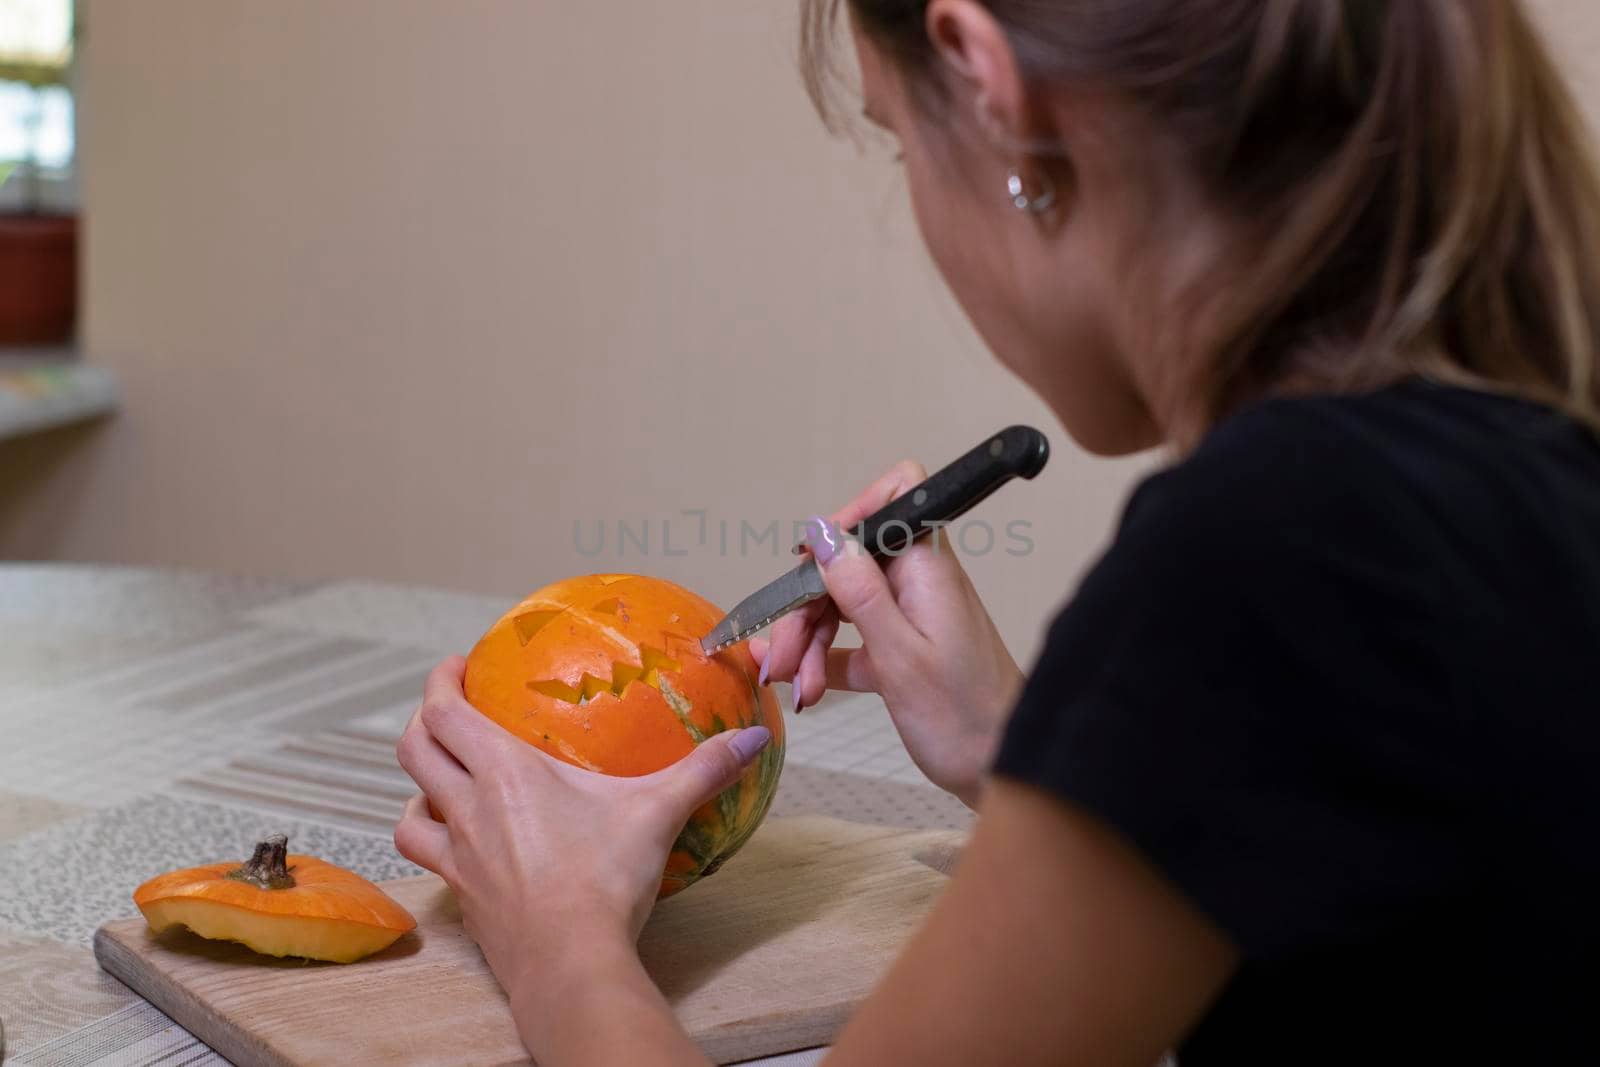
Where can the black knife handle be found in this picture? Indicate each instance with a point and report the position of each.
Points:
(1015, 452)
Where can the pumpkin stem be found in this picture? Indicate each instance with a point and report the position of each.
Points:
(268, 867)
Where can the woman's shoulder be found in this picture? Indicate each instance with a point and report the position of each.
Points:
(1414, 454)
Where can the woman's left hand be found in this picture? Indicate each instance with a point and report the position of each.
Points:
(550, 862)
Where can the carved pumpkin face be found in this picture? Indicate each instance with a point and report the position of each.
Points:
(606, 673)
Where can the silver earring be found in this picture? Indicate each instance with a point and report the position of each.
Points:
(1033, 205)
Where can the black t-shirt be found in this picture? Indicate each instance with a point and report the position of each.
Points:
(1338, 677)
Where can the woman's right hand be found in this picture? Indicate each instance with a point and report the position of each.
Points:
(930, 648)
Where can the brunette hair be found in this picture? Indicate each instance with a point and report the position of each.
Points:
(1411, 179)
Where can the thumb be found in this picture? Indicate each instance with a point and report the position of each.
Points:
(714, 765)
(861, 591)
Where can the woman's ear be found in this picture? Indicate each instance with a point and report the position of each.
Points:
(976, 52)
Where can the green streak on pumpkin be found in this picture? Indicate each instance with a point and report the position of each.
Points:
(755, 699)
(768, 764)
(698, 844)
(710, 850)
(682, 709)
(728, 804)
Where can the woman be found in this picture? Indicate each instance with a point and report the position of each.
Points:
(1304, 771)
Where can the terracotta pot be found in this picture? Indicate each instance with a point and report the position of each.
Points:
(38, 279)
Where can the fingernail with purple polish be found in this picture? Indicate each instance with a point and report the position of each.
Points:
(749, 741)
(823, 538)
(761, 679)
(799, 704)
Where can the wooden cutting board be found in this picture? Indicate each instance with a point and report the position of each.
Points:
(771, 954)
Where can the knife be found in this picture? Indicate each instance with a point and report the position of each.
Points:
(1015, 452)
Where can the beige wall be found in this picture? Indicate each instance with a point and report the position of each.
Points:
(1573, 28)
(399, 289)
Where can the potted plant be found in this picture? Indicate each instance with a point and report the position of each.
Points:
(38, 241)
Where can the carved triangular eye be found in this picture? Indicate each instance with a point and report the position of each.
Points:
(531, 622)
(608, 607)
(612, 579)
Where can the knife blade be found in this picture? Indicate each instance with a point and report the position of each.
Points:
(1015, 452)
(799, 587)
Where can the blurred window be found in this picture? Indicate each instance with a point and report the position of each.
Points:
(36, 114)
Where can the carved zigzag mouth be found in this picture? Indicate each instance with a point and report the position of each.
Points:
(652, 660)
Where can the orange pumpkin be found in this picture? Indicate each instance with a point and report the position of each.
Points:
(278, 905)
(606, 672)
